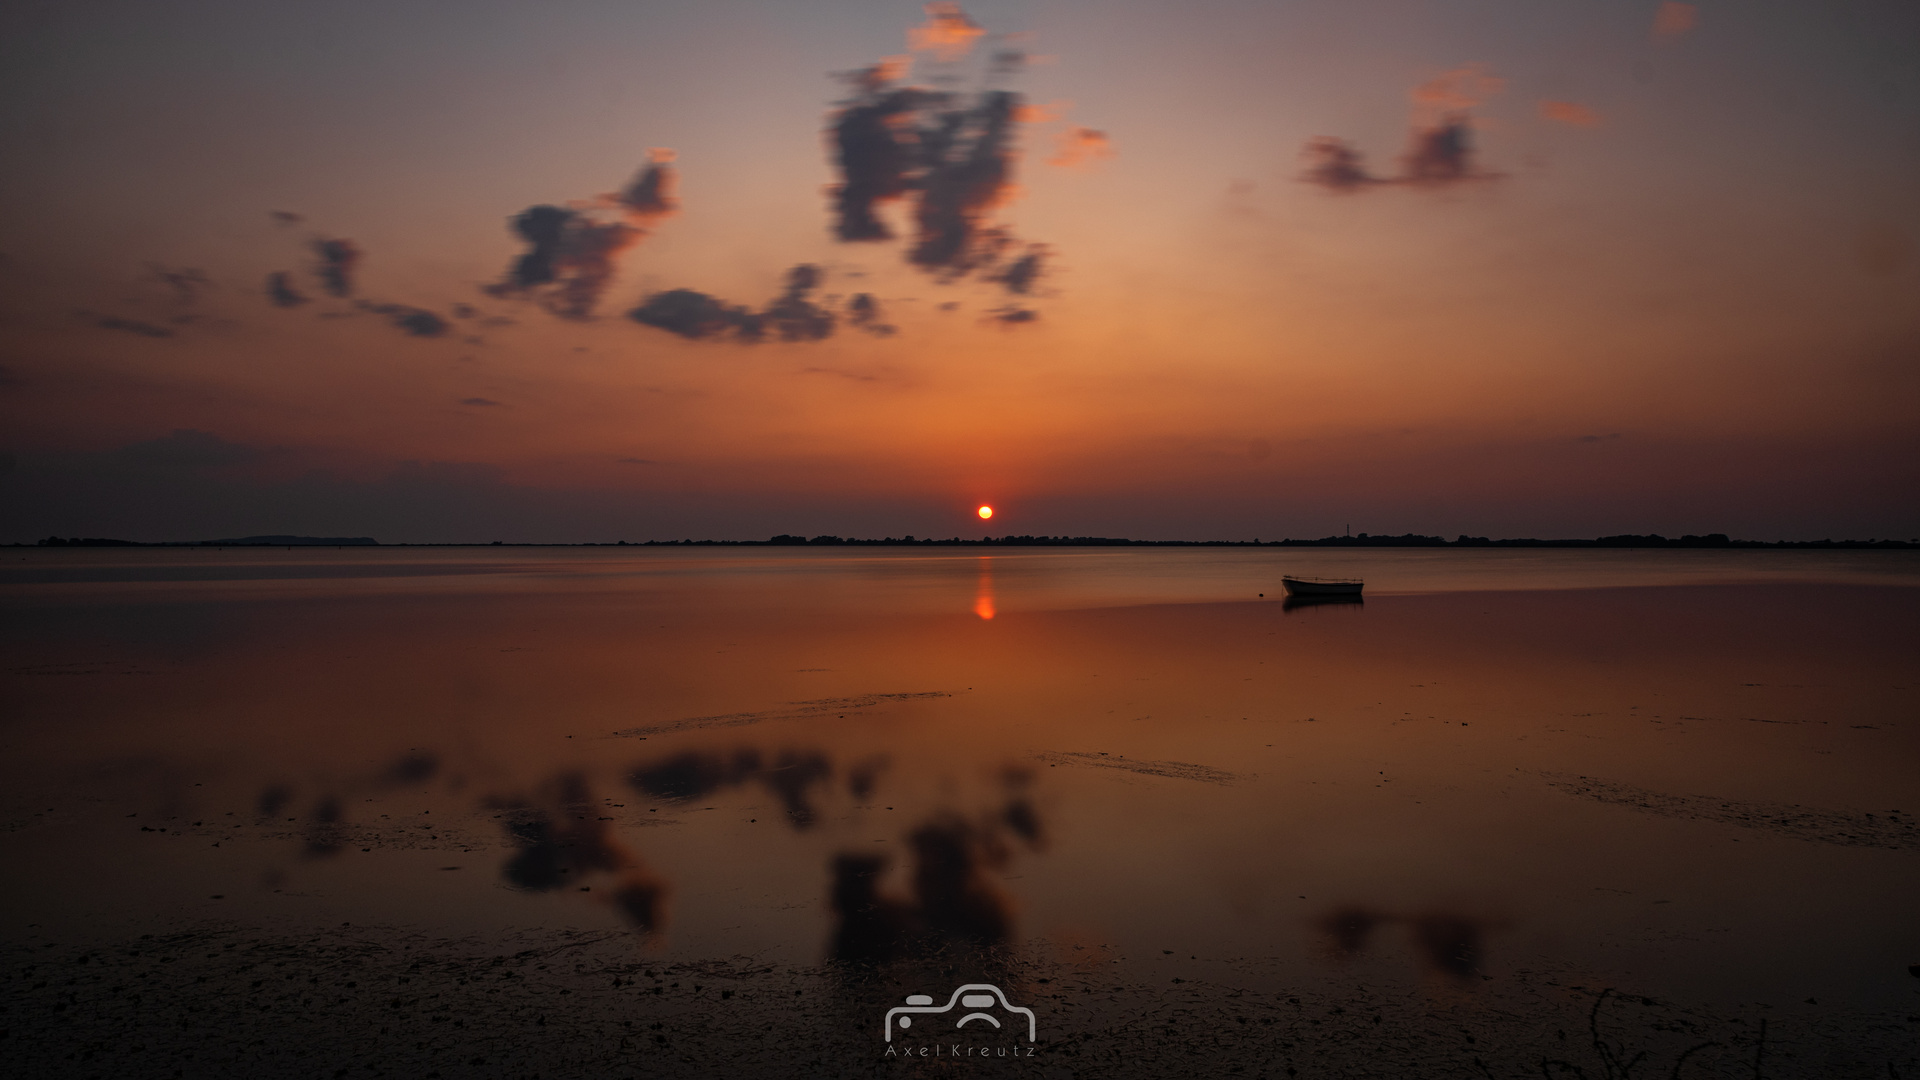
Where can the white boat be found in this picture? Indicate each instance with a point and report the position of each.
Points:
(1297, 586)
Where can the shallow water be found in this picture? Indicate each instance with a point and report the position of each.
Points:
(1688, 773)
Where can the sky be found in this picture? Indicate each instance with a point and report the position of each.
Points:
(592, 271)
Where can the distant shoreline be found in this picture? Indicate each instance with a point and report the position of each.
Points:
(1362, 540)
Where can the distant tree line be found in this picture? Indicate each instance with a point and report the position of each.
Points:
(1624, 540)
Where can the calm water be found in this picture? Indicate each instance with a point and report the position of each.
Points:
(1689, 773)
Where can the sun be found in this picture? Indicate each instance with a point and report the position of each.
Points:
(985, 512)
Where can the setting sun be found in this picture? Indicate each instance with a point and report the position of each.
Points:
(985, 512)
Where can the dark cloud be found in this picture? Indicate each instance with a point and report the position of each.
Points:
(1438, 155)
(1441, 154)
(950, 155)
(968, 166)
(1022, 274)
(285, 217)
(338, 260)
(571, 259)
(573, 252)
(863, 311)
(478, 401)
(875, 155)
(186, 282)
(416, 321)
(696, 316)
(1336, 165)
(130, 326)
(1012, 315)
(793, 315)
(650, 196)
(280, 290)
(1439, 146)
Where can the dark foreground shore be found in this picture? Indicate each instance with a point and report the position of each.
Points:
(230, 1001)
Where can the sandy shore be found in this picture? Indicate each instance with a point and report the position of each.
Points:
(230, 1001)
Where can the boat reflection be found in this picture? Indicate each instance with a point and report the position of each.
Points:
(1295, 603)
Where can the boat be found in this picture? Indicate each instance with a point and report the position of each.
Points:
(1304, 587)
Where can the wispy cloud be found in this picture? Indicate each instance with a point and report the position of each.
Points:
(1080, 147)
(1570, 113)
(1674, 20)
(129, 326)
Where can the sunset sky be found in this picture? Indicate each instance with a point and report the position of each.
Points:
(1168, 271)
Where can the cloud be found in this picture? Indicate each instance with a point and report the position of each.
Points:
(948, 33)
(281, 292)
(651, 195)
(130, 326)
(416, 321)
(573, 251)
(949, 155)
(1674, 20)
(1569, 113)
(1439, 145)
(1079, 147)
(1441, 154)
(968, 169)
(285, 217)
(794, 315)
(696, 316)
(863, 311)
(338, 260)
(1336, 165)
(1022, 274)
(185, 282)
(1012, 315)
(874, 153)
(478, 401)
(570, 252)
(1452, 92)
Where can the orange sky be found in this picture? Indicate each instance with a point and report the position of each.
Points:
(1610, 268)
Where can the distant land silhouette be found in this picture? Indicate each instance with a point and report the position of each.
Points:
(1625, 540)
(243, 541)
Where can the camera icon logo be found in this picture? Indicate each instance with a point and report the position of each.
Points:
(974, 997)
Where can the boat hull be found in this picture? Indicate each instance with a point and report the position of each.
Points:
(1296, 587)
